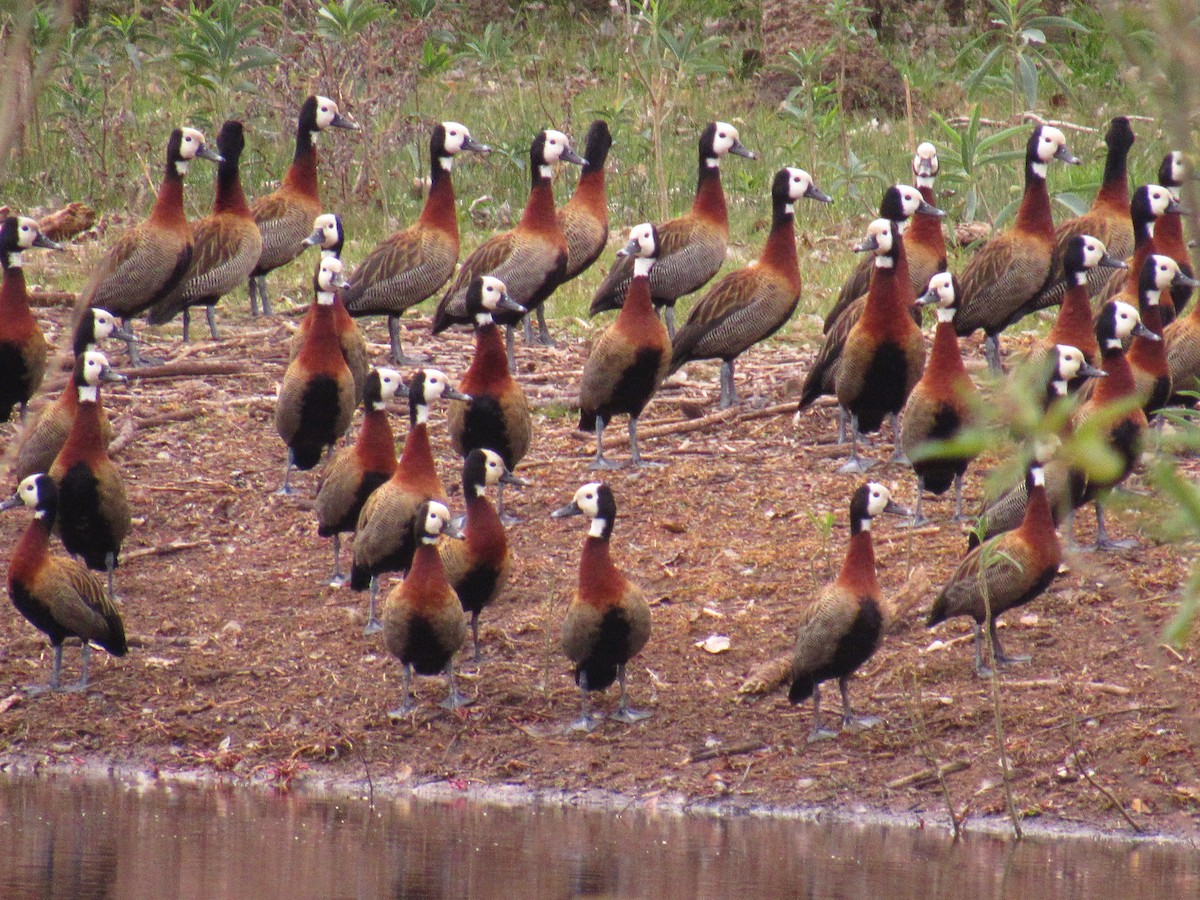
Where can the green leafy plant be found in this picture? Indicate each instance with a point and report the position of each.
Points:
(349, 19)
(967, 153)
(217, 46)
(1018, 50)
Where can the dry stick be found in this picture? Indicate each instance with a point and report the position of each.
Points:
(931, 774)
(1078, 753)
(940, 771)
(163, 549)
(186, 370)
(714, 752)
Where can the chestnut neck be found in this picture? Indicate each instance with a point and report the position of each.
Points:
(168, 206)
(14, 297)
(483, 522)
(539, 208)
(779, 253)
(1034, 215)
(945, 359)
(1073, 326)
(85, 441)
(709, 202)
(417, 457)
(1119, 382)
(32, 548)
(638, 310)
(426, 578)
(858, 569)
(1114, 191)
(926, 231)
(230, 197)
(591, 192)
(301, 176)
(376, 445)
(1038, 523)
(599, 580)
(489, 365)
(439, 211)
(1144, 353)
(321, 346)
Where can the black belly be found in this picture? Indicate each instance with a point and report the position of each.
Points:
(633, 389)
(37, 613)
(14, 378)
(424, 649)
(85, 531)
(938, 474)
(318, 421)
(610, 650)
(476, 589)
(857, 645)
(885, 387)
(485, 428)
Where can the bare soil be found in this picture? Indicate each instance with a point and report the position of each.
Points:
(245, 663)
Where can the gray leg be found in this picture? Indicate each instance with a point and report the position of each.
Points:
(854, 465)
(729, 395)
(406, 706)
(210, 313)
(585, 722)
(373, 625)
(262, 295)
(528, 328)
(454, 700)
(286, 489)
(980, 669)
(958, 513)
(625, 713)
(600, 462)
(509, 333)
(635, 456)
(398, 356)
(897, 451)
(543, 331)
(851, 722)
(1002, 658)
(337, 579)
(991, 349)
(669, 316)
(1103, 542)
(187, 324)
(841, 425)
(918, 518)
(53, 685)
(819, 732)
(475, 636)
(81, 684)
(252, 290)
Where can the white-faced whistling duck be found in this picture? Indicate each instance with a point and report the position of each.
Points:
(57, 595)
(1182, 339)
(285, 217)
(942, 403)
(41, 440)
(383, 538)
(93, 512)
(694, 244)
(530, 259)
(1067, 371)
(1107, 220)
(584, 218)
(23, 347)
(226, 244)
(1148, 355)
(355, 471)
(497, 416)
(1069, 488)
(316, 400)
(913, 208)
(148, 262)
(1005, 571)
(477, 566)
(900, 203)
(751, 304)
(884, 354)
(1149, 203)
(329, 235)
(1010, 269)
(1081, 256)
(843, 626)
(423, 623)
(608, 620)
(1168, 234)
(630, 358)
(411, 265)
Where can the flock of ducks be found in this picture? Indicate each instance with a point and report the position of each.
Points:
(1120, 275)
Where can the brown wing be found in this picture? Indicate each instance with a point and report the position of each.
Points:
(744, 307)
(284, 220)
(1003, 276)
(338, 488)
(358, 360)
(385, 522)
(1182, 338)
(586, 237)
(114, 504)
(823, 622)
(141, 268)
(690, 253)
(822, 377)
(77, 601)
(225, 250)
(403, 270)
(855, 286)
(1005, 566)
(484, 260)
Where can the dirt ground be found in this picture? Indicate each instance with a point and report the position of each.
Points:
(245, 663)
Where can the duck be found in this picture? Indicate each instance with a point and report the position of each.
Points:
(692, 245)
(93, 511)
(608, 620)
(1067, 487)
(900, 203)
(226, 244)
(423, 623)
(55, 594)
(383, 536)
(1182, 341)
(1168, 234)
(924, 244)
(355, 471)
(941, 405)
(316, 399)
(1107, 220)
(1006, 571)
(751, 304)
(584, 217)
(843, 626)
(1009, 270)
(148, 262)
(1082, 255)
(44, 437)
(530, 259)
(497, 416)
(478, 566)
(1067, 369)
(1147, 356)
(330, 236)
(410, 265)
(629, 360)
(285, 216)
(23, 348)
(1150, 202)
(884, 354)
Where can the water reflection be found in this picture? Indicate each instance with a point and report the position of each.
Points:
(81, 839)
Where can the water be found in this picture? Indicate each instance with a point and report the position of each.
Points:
(82, 839)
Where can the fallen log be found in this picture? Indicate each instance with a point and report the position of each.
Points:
(185, 369)
(65, 223)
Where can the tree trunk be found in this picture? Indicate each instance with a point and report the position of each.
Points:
(867, 79)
